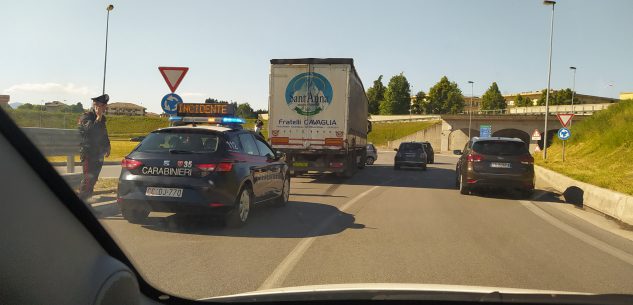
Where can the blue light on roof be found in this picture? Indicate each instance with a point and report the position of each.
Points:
(175, 118)
(233, 120)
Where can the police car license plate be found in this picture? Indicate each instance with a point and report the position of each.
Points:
(163, 192)
(300, 164)
(500, 165)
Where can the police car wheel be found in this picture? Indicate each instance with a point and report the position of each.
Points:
(285, 194)
(240, 213)
(134, 215)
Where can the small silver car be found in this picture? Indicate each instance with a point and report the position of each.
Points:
(372, 154)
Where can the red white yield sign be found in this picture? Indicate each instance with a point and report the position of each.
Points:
(173, 76)
(564, 118)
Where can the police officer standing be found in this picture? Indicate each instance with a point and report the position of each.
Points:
(95, 144)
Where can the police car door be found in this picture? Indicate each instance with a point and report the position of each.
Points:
(273, 168)
(257, 165)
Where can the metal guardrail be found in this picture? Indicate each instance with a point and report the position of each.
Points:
(56, 142)
(582, 109)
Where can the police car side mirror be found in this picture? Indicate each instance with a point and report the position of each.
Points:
(270, 157)
(395, 149)
(280, 155)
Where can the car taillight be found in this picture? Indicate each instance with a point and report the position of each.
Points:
(527, 159)
(336, 164)
(225, 167)
(130, 164)
(220, 167)
(474, 158)
(206, 167)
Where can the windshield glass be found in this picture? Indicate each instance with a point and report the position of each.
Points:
(163, 142)
(508, 148)
(234, 146)
(411, 147)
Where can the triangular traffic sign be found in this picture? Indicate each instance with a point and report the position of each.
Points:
(564, 118)
(536, 135)
(173, 76)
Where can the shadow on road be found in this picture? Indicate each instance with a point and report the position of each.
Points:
(538, 195)
(434, 177)
(296, 220)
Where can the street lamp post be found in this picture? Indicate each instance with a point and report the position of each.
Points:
(105, 61)
(549, 76)
(470, 112)
(573, 92)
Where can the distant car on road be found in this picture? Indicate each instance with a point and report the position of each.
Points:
(495, 163)
(137, 139)
(430, 154)
(201, 170)
(410, 154)
(372, 154)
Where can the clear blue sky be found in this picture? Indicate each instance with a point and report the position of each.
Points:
(53, 50)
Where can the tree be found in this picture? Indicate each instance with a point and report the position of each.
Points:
(444, 97)
(397, 95)
(521, 101)
(492, 99)
(419, 104)
(77, 108)
(245, 111)
(541, 100)
(386, 107)
(560, 97)
(27, 106)
(375, 95)
(213, 100)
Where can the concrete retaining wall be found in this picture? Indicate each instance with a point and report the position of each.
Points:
(611, 203)
(431, 134)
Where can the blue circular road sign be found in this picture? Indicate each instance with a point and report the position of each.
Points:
(564, 134)
(170, 103)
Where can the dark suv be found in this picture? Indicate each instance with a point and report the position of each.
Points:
(410, 154)
(495, 163)
(201, 170)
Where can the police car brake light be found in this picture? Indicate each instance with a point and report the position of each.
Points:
(206, 167)
(130, 164)
(225, 167)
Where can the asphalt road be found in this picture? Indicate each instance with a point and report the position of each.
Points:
(381, 226)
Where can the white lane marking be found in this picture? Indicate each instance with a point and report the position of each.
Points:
(590, 240)
(277, 277)
(94, 205)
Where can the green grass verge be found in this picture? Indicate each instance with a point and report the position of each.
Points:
(600, 150)
(118, 150)
(383, 132)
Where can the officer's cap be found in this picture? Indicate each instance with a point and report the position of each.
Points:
(103, 99)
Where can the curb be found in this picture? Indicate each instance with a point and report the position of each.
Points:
(611, 203)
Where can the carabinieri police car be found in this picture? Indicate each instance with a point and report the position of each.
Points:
(202, 165)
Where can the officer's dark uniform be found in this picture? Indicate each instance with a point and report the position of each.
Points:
(94, 146)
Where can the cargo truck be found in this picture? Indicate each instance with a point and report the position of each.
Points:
(318, 115)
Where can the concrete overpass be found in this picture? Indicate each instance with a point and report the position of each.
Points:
(454, 133)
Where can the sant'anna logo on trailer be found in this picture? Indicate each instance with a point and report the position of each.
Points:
(309, 93)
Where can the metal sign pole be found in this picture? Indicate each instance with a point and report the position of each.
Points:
(564, 151)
